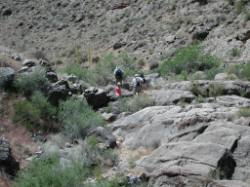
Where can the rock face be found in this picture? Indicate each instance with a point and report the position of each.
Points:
(7, 163)
(96, 97)
(7, 75)
(203, 144)
(210, 88)
(167, 97)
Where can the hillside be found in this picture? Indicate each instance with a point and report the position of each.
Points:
(183, 116)
(152, 30)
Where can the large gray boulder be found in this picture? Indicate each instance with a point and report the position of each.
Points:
(190, 145)
(7, 75)
(7, 163)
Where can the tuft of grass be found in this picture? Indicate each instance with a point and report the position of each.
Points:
(48, 172)
(189, 59)
(77, 117)
(244, 112)
(235, 52)
(240, 6)
(36, 113)
(134, 104)
(30, 82)
(213, 90)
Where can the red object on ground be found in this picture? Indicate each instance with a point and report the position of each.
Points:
(118, 91)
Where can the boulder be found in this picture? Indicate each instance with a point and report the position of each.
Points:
(58, 91)
(7, 75)
(52, 76)
(199, 75)
(7, 163)
(96, 97)
(168, 97)
(104, 136)
(110, 117)
(191, 143)
(24, 69)
(29, 62)
(224, 76)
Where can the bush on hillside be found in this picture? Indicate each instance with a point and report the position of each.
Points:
(102, 73)
(240, 70)
(47, 172)
(36, 113)
(244, 112)
(30, 82)
(189, 59)
(77, 117)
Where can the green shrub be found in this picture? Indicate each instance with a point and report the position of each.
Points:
(30, 82)
(48, 172)
(77, 117)
(213, 90)
(240, 6)
(244, 112)
(236, 52)
(26, 114)
(189, 59)
(245, 72)
(36, 113)
(210, 73)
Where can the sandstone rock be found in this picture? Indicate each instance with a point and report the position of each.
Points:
(193, 143)
(7, 75)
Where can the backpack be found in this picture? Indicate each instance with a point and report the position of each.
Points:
(118, 73)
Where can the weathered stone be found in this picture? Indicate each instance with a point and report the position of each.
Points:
(96, 97)
(104, 136)
(168, 97)
(7, 163)
(110, 117)
(29, 62)
(7, 75)
(224, 76)
(52, 76)
(58, 91)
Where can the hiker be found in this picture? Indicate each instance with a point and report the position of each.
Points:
(118, 91)
(137, 83)
(118, 75)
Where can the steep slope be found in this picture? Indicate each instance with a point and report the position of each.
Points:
(150, 29)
